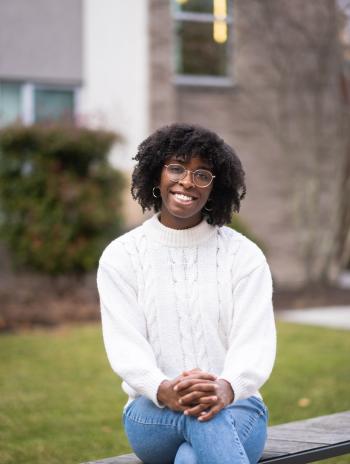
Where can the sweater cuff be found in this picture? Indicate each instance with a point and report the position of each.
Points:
(151, 384)
(241, 389)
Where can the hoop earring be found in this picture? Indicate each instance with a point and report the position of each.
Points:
(153, 192)
(206, 207)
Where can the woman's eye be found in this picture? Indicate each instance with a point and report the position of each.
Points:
(203, 175)
(176, 169)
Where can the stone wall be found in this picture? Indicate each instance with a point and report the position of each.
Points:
(230, 111)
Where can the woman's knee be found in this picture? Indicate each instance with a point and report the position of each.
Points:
(185, 455)
(153, 433)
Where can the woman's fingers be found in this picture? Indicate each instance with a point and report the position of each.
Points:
(197, 391)
(196, 410)
(190, 381)
(206, 408)
(209, 413)
(195, 374)
(196, 397)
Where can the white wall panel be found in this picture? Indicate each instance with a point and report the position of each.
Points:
(116, 79)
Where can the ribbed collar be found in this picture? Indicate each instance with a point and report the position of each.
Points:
(178, 238)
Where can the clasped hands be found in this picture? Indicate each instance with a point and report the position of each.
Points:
(196, 393)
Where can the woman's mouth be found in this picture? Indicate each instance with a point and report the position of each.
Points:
(183, 198)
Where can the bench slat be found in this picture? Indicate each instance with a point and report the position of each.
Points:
(282, 446)
(311, 436)
(125, 459)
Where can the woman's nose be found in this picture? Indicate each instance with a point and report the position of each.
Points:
(187, 181)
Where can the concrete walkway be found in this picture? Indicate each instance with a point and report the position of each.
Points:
(337, 317)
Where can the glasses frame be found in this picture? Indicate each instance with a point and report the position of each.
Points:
(192, 172)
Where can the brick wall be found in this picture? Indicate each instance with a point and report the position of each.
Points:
(238, 117)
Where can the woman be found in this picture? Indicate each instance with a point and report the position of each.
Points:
(186, 307)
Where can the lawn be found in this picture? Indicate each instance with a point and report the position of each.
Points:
(60, 402)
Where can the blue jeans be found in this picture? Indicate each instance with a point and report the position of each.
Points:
(237, 434)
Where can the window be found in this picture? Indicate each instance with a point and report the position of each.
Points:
(30, 103)
(10, 103)
(203, 39)
(53, 105)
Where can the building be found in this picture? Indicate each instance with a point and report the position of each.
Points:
(132, 66)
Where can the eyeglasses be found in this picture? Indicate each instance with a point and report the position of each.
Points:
(201, 177)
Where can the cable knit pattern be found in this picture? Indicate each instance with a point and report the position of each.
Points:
(178, 275)
(172, 300)
(200, 352)
(219, 277)
(147, 272)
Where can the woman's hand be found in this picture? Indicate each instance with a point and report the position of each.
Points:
(169, 396)
(202, 394)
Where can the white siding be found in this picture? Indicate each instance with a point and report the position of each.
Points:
(115, 77)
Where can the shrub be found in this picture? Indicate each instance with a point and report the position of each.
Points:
(240, 226)
(60, 200)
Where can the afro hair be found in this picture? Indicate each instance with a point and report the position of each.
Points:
(185, 141)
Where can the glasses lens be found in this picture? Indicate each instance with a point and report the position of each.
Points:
(202, 178)
(175, 171)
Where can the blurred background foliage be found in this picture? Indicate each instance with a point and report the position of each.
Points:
(60, 200)
(240, 226)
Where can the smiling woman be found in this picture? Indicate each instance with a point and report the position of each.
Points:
(180, 144)
(186, 307)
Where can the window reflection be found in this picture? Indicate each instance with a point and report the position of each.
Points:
(202, 37)
(197, 52)
(10, 102)
(54, 105)
(198, 6)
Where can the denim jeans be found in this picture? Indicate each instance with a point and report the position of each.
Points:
(237, 434)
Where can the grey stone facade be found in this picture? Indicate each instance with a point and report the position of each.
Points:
(230, 112)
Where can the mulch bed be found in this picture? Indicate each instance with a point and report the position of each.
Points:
(311, 297)
(28, 300)
(33, 300)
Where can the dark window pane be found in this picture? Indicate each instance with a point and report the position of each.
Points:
(197, 53)
(10, 102)
(194, 6)
(54, 105)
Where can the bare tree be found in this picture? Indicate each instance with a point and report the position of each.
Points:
(296, 91)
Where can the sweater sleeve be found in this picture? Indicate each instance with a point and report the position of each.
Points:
(124, 329)
(252, 338)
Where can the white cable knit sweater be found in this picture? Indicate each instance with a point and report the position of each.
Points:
(173, 300)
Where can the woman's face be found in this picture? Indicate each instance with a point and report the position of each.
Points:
(183, 201)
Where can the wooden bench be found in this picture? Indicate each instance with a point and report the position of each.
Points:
(293, 443)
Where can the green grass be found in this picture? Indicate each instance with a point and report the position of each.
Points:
(61, 403)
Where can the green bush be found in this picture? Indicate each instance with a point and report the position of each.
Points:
(240, 226)
(60, 200)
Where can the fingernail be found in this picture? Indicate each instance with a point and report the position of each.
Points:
(180, 401)
(200, 418)
(175, 388)
(186, 412)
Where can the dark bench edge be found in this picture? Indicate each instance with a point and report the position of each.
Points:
(312, 455)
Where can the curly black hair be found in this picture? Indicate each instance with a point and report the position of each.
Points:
(185, 141)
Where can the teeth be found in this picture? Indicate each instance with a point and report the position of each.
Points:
(183, 197)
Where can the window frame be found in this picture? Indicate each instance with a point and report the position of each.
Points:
(203, 79)
(27, 98)
(53, 87)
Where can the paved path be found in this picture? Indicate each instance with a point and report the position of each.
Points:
(337, 317)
